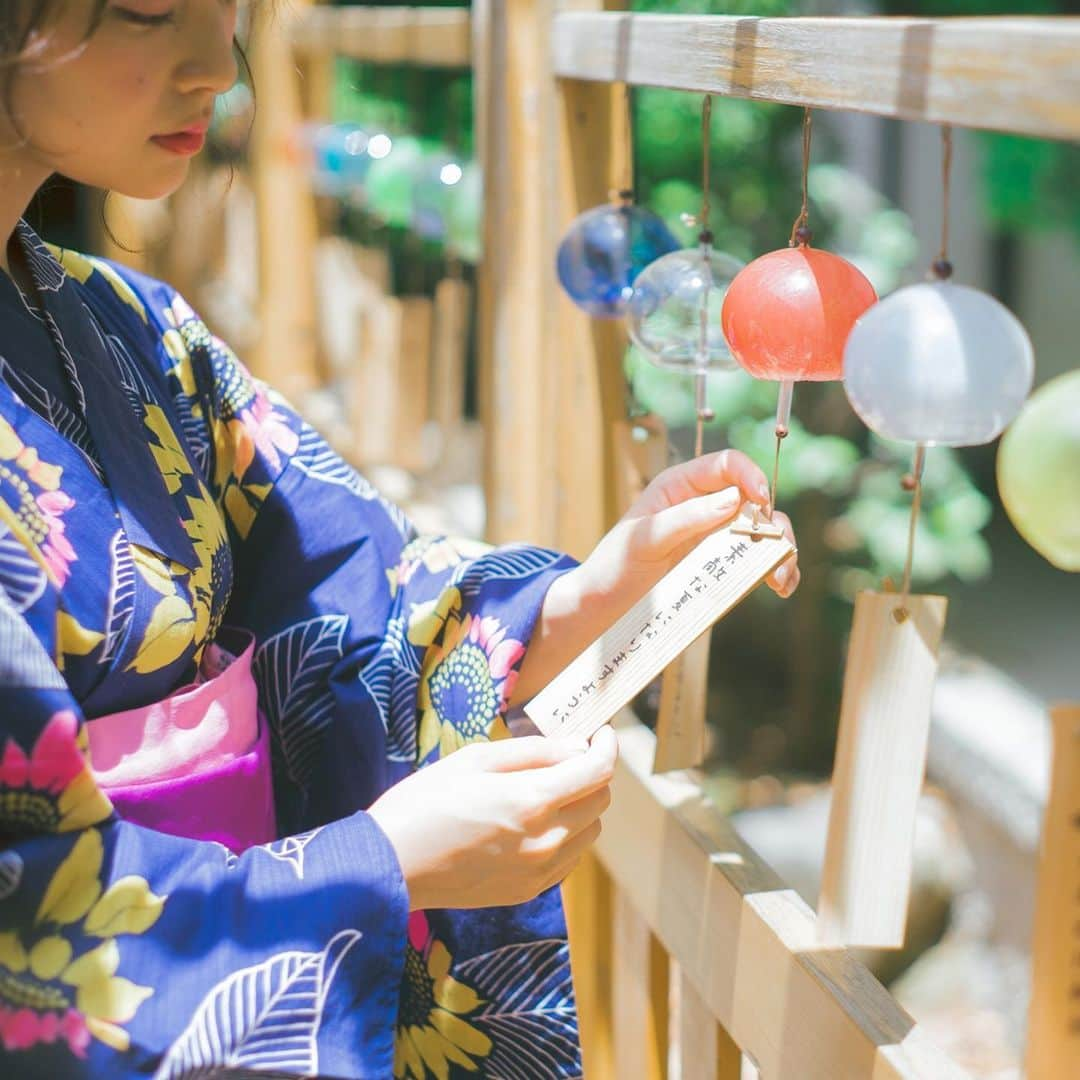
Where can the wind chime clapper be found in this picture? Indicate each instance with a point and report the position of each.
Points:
(787, 316)
(673, 319)
(907, 374)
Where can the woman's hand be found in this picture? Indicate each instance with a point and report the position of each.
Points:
(675, 513)
(497, 823)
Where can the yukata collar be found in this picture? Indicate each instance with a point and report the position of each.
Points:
(147, 512)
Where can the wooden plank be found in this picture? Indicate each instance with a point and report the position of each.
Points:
(704, 586)
(1004, 73)
(748, 945)
(1053, 1043)
(286, 352)
(512, 87)
(413, 392)
(453, 308)
(706, 1050)
(640, 987)
(681, 722)
(880, 762)
(373, 390)
(424, 37)
(592, 153)
(588, 899)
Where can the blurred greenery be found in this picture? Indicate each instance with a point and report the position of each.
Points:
(776, 697)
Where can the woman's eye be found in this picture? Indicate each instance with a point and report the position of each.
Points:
(140, 18)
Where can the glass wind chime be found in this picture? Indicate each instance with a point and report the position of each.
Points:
(788, 314)
(933, 364)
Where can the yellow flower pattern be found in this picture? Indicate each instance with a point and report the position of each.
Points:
(55, 985)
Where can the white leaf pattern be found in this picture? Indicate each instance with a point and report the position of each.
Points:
(23, 659)
(392, 680)
(264, 1017)
(529, 1013)
(316, 459)
(293, 672)
(290, 849)
(21, 577)
(508, 563)
(121, 595)
(11, 871)
(67, 422)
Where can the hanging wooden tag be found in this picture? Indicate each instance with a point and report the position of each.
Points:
(680, 724)
(878, 775)
(702, 588)
(1053, 1042)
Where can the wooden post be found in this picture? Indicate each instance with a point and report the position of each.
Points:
(453, 307)
(287, 348)
(513, 88)
(1053, 1044)
(413, 392)
(880, 761)
(706, 1050)
(375, 382)
(640, 997)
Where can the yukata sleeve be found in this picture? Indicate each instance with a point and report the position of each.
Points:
(125, 952)
(377, 649)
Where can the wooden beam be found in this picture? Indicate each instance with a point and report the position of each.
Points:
(639, 996)
(286, 352)
(424, 37)
(746, 943)
(516, 283)
(1005, 73)
(1053, 1043)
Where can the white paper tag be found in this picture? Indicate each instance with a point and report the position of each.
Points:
(702, 588)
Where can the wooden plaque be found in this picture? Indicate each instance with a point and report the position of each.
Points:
(878, 776)
(703, 587)
(1053, 1043)
(680, 725)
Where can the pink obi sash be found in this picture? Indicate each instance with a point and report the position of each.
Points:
(198, 763)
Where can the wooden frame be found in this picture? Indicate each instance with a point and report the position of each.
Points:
(425, 37)
(1020, 75)
(747, 944)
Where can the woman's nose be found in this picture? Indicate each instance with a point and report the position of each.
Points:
(210, 59)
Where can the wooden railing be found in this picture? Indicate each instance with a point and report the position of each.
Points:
(673, 899)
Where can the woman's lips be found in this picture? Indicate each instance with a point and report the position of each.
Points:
(182, 142)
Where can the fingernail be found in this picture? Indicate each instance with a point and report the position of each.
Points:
(763, 491)
(782, 576)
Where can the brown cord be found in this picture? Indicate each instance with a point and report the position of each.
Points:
(804, 214)
(946, 183)
(706, 145)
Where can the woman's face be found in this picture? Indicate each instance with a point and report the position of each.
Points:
(127, 107)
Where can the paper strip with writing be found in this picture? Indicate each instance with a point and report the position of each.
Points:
(702, 588)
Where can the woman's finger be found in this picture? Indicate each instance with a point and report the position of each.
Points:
(703, 476)
(785, 578)
(577, 777)
(663, 534)
(514, 755)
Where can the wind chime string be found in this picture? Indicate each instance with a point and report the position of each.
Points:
(704, 413)
(800, 236)
(800, 231)
(940, 270)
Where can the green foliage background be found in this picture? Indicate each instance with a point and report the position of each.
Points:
(777, 676)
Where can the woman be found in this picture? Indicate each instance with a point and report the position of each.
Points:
(175, 540)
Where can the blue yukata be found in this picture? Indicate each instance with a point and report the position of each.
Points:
(152, 494)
